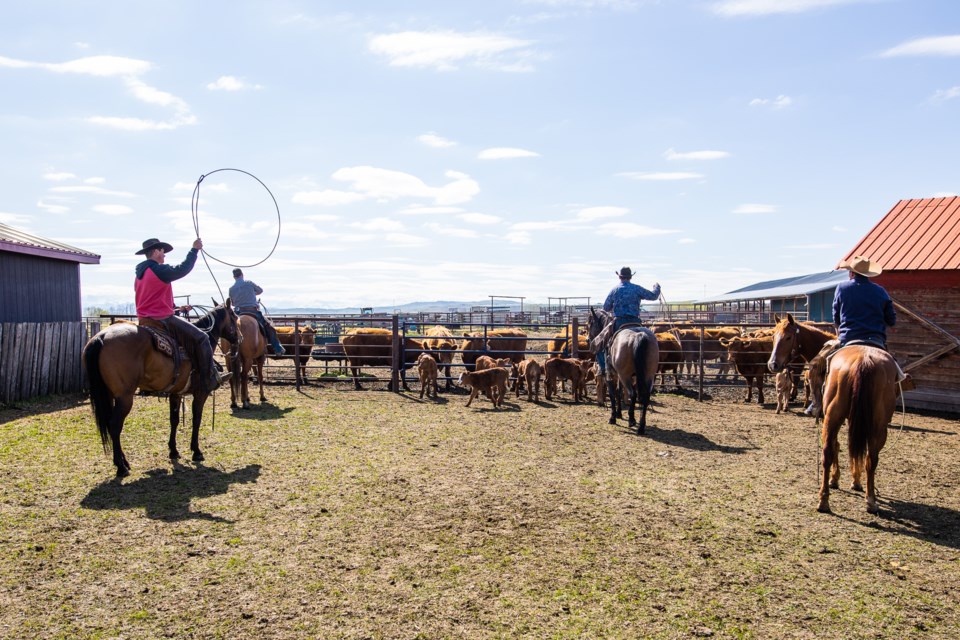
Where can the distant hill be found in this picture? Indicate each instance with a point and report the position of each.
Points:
(410, 307)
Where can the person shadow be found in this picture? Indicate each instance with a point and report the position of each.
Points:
(167, 496)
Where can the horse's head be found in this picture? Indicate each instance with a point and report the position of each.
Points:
(227, 322)
(786, 343)
(600, 325)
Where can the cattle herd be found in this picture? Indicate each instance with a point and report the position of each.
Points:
(496, 360)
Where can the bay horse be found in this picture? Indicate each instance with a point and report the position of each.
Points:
(861, 389)
(792, 339)
(123, 357)
(249, 352)
(633, 355)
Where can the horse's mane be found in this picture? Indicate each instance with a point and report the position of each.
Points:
(817, 330)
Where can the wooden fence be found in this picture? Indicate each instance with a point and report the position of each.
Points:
(40, 358)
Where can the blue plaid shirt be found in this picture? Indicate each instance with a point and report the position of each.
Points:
(243, 295)
(624, 299)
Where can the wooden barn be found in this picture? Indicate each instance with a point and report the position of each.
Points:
(808, 297)
(41, 328)
(918, 245)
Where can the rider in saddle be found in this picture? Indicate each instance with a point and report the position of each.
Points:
(244, 294)
(624, 301)
(862, 311)
(154, 296)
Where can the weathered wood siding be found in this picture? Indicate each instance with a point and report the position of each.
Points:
(40, 358)
(36, 289)
(936, 298)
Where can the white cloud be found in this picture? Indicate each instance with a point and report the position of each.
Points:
(595, 213)
(129, 69)
(631, 230)
(518, 237)
(501, 153)
(13, 218)
(94, 180)
(52, 208)
(379, 224)
(780, 102)
(660, 176)
(932, 46)
(59, 176)
(386, 184)
(113, 209)
(420, 211)
(443, 50)
(433, 140)
(686, 241)
(942, 95)
(405, 240)
(751, 209)
(322, 217)
(479, 218)
(446, 230)
(327, 197)
(766, 7)
(944, 194)
(538, 226)
(92, 189)
(232, 83)
(670, 154)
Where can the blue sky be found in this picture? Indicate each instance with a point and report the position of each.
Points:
(454, 150)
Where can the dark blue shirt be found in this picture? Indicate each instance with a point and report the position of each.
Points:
(863, 310)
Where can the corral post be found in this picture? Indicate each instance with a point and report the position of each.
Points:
(575, 338)
(700, 390)
(395, 367)
(296, 351)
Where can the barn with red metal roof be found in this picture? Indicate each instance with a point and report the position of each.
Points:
(918, 245)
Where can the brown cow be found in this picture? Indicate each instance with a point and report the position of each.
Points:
(501, 343)
(671, 357)
(493, 382)
(289, 341)
(559, 345)
(563, 369)
(440, 341)
(529, 372)
(427, 369)
(712, 349)
(371, 346)
(749, 356)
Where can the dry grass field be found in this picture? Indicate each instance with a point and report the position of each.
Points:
(332, 513)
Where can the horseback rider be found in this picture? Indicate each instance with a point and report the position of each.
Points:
(154, 299)
(244, 294)
(624, 302)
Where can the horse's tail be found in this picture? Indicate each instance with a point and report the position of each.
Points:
(100, 400)
(640, 369)
(861, 409)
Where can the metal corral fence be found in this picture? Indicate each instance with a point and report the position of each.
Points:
(316, 344)
(40, 358)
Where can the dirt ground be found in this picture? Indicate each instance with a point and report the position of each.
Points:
(335, 513)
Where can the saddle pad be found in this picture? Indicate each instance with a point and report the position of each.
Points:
(163, 343)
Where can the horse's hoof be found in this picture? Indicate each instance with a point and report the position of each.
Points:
(612, 421)
(234, 405)
(834, 484)
(856, 486)
(641, 430)
(174, 454)
(122, 472)
(824, 507)
(873, 508)
(198, 457)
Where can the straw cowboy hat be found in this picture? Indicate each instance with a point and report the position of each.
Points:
(625, 273)
(862, 265)
(153, 243)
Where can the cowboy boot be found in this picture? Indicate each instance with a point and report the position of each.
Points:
(275, 341)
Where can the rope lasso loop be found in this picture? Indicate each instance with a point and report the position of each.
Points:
(195, 215)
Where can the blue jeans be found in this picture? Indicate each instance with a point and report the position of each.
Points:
(618, 323)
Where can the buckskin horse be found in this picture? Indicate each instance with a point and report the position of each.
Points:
(123, 357)
(861, 388)
(633, 354)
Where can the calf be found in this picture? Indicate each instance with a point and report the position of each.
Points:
(671, 357)
(485, 362)
(784, 389)
(601, 383)
(563, 369)
(493, 382)
(530, 372)
(749, 356)
(427, 368)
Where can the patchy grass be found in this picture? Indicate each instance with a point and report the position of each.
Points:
(335, 513)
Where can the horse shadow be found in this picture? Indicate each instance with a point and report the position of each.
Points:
(930, 523)
(427, 399)
(685, 439)
(166, 496)
(261, 411)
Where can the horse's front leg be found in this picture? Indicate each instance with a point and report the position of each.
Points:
(614, 401)
(197, 406)
(121, 409)
(174, 421)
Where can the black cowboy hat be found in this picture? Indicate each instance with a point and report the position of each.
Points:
(626, 273)
(153, 243)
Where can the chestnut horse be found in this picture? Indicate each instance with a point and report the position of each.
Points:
(792, 339)
(861, 389)
(633, 354)
(250, 352)
(122, 358)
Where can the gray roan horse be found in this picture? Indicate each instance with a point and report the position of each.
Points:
(633, 355)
